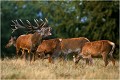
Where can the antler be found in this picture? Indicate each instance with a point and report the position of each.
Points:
(46, 20)
(17, 25)
(36, 21)
(29, 26)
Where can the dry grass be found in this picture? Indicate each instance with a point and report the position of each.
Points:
(19, 69)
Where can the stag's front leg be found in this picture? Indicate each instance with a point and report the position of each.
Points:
(31, 54)
(32, 57)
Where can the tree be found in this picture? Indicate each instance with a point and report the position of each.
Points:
(94, 20)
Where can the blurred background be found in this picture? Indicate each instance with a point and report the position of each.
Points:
(96, 20)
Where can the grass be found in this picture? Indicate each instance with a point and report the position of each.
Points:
(19, 69)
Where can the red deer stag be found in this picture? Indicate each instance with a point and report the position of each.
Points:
(96, 48)
(42, 30)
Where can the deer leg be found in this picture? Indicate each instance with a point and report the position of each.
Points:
(104, 55)
(28, 56)
(87, 61)
(90, 60)
(33, 57)
(112, 59)
(31, 54)
(50, 58)
(17, 53)
(24, 54)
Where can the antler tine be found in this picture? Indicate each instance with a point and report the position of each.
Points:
(18, 25)
(29, 22)
(46, 20)
(43, 24)
(21, 21)
(13, 30)
(15, 26)
(35, 20)
(13, 21)
(41, 19)
(39, 25)
(24, 24)
(31, 26)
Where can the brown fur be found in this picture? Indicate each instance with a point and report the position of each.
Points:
(23, 42)
(72, 45)
(55, 46)
(96, 48)
(48, 46)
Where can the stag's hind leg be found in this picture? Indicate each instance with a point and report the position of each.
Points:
(105, 58)
(112, 59)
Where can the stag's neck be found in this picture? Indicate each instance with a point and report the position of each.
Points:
(36, 38)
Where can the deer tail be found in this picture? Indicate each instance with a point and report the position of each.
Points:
(113, 47)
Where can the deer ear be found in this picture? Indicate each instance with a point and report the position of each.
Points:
(11, 37)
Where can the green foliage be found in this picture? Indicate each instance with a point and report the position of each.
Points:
(94, 20)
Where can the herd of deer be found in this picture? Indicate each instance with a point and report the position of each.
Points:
(35, 45)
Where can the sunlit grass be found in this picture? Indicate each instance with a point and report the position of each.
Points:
(19, 69)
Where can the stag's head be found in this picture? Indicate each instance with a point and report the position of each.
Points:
(11, 42)
(44, 29)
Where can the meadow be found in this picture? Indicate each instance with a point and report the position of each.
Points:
(20, 69)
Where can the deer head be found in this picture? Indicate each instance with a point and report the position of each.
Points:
(11, 42)
(45, 30)
(76, 58)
